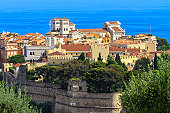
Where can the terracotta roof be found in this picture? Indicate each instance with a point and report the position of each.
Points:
(113, 22)
(133, 49)
(88, 55)
(92, 35)
(127, 41)
(44, 59)
(116, 29)
(17, 65)
(116, 49)
(75, 47)
(70, 23)
(72, 31)
(92, 30)
(56, 18)
(55, 53)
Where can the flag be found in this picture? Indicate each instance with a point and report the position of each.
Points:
(50, 23)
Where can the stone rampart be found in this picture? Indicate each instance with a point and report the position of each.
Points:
(76, 100)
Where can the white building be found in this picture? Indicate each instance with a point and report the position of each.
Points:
(63, 26)
(114, 29)
(50, 41)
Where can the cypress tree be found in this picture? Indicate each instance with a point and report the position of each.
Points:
(81, 57)
(100, 58)
(155, 61)
(117, 59)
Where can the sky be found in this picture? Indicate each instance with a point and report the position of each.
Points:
(84, 4)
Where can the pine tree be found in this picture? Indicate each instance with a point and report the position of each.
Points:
(117, 59)
(155, 61)
(81, 57)
(110, 60)
(100, 58)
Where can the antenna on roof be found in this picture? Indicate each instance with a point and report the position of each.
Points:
(150, 29)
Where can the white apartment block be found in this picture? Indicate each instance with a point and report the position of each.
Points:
(114, 29)
(63, 26)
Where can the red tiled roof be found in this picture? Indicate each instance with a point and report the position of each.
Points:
(17, 65)
(72, 31)
(75, 47)
(133, 50)
(55, 53)
(88, 55)
(113, 22)
(70, 23)
(116, 49)
(44, 59)
(116, 29)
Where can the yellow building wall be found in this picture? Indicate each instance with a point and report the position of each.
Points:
(96, 49)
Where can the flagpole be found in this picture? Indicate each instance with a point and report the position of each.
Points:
(50, 27)
(150, 29)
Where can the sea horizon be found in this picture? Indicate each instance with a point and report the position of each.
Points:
(134, 22)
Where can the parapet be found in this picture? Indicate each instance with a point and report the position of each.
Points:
(77, 85)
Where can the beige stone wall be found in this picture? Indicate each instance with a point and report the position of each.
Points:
(34, 65)
(96, 49)
(59, 59)
(74, 102)
(151, 46)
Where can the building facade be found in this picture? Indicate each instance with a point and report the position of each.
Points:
(34, 53)
(114, 29)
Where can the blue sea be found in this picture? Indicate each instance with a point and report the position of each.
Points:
(133, 21)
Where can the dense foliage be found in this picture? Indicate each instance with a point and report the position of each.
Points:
(109, 77)
(149, 92)
(104, 79)
(118, 60)
(162, 44)
(13, 101)
(142, 64)
(16, 59)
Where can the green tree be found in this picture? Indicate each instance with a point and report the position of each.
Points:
(81, 57)
(100, 58)
(155, 62)
(12, 102)
(118, 60)
(16, 59)
(149, 92)
(142, 64)
(162, 44)
(110, 60)
(105, 80)
(124, 66)
(72, 69)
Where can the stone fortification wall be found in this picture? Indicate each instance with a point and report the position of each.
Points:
(76, 100)
(73, 102)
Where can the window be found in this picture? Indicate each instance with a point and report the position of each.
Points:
(30, 53)
(76, 53)
(71, 53)
(80, 88)
(57, 23)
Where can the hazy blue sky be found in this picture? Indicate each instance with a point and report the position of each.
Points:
(85, 4)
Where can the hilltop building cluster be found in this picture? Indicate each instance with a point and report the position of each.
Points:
(65, 43)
